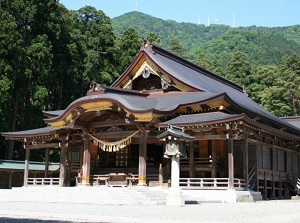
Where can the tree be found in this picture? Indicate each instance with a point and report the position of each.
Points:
(129, 44)
(176, 47)
(290, 80)
(153, 38)
(239, 69)
(98, 41)
(262, 78)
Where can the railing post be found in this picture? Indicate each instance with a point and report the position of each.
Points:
(215, 182)
(201, 182)
(188, 182)
(160, 175)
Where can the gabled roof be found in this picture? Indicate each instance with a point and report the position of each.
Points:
(200, 79)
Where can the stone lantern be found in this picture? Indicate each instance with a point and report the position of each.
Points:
(175, 140)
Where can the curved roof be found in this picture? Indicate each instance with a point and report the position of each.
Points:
(203, 80)
(156, 103)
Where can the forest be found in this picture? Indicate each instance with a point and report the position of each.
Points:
(49, 55)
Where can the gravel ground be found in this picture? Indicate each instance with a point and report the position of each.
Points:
(263, 211)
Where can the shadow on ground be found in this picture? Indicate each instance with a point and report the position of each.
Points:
(30, 220)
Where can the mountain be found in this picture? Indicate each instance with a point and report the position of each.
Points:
(262, 45)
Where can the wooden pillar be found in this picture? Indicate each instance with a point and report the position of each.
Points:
(230, 163)
(10, 179)
(47, 162)
(62, 165)
(245, 160)
(192, 159)
(26, 168)
(142, 158)
(214, 159)
(274, 168)
(257, 166)
(86, 160)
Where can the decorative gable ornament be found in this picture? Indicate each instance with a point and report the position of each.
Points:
(175, 139)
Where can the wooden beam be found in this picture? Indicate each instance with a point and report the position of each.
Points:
(209, 137)
(113, 135)
(42, 146)
(108, 123)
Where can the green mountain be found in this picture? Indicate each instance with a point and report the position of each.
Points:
(262, 45)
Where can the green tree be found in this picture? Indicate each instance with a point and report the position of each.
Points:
(153, 38)
(98, 42)
(262, 78)
(290, 80)
(176, 47)
(129, 44)
(239, 69)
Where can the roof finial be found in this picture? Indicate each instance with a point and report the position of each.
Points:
(147, 44)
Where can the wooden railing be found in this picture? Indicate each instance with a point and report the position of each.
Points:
(211, 183)
(42, 181)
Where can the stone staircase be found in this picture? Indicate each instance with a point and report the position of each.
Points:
(88, 195)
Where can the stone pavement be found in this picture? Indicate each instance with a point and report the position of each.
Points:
(82, 204)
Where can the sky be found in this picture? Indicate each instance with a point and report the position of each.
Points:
(270, 13)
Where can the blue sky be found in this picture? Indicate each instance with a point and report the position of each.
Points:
(270, 13)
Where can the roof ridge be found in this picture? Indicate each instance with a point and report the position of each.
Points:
(155, 49)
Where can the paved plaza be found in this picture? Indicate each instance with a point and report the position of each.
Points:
(67, 205)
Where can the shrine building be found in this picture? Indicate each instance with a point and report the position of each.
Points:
(165, 110)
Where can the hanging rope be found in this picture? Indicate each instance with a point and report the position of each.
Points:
(112, 146)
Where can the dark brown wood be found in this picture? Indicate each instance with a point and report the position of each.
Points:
(142, 157)
(47, 162)
(113, 135)
(192, 164)
(43, 145)
(86, 160)
(230, 162)
(245, 159)
(214, 158)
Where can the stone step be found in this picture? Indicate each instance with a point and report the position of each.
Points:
(91, 195)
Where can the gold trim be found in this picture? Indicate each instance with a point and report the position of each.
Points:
(97, 106)
(145, 117)
(85, 179)
(57, 125)
(142, 179)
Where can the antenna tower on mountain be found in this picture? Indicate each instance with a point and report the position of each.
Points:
(233, 22)
(208, 24)
(136, 5)
(199, 21)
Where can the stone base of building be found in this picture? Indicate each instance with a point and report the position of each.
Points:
(219, 196)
